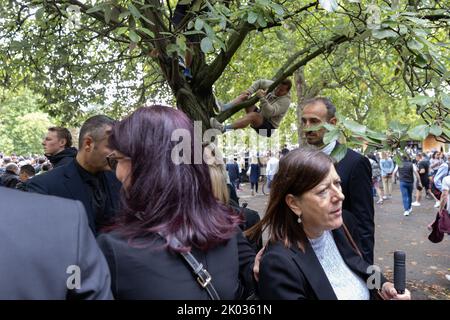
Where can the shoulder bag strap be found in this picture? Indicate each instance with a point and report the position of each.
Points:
(203, 277)
(350, 239)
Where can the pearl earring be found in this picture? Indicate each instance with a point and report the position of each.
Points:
(299, 220)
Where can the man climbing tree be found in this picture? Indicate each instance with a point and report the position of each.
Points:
(267, 118)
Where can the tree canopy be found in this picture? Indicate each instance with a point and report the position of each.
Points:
(22, 125)
(122, 53)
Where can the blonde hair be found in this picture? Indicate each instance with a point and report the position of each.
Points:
(217, 172)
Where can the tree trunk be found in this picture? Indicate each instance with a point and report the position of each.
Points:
(199, 106)
(300, 86)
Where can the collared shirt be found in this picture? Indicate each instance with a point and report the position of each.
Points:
(97, 194)
(329, 148)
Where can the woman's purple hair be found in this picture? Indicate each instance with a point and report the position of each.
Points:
(165, 197)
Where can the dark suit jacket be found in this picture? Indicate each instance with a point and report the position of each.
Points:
(40, 238)
(66, 182)
(290, 274)
(233, 171)
(146, 273)
(356, 176)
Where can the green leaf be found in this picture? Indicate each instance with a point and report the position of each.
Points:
(124, 14)
(436, 130)
(192, 32)
(329, 126)
(262, 22)
(331, 136)
(421, 61)
(209, 31)
(206, 45)
(199, 24)
(414, 45)
(277, 8)
(171, 48)
(420, 100)
(420, 32)
(134, 11)
(445, 99)
(376, 135)
(354, 126)
(402, 29)
(280, 35)
(314, 128)
(108, 13)
(398, 160)
(181, 43)
(252, 17)
(417, 20)
(121, 30)
(419, 132)
(339, 152)
(384, 33)
(16, 45)
(134, 36)
(398, 127)
(147, 32)
(223, 24)
(446, 132)
(147, 20)
(95, 9)
(40, 13)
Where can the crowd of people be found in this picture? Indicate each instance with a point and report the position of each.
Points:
(138, 216)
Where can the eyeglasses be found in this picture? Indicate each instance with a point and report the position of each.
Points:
(113, 160)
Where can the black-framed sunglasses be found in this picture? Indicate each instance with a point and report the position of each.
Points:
(113, 160)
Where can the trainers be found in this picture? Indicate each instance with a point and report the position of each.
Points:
(415, 204)
(385, 197)
(219, 104)
(406, 213)
(447, 276)
(216, 124)
(437, 204)
(380, 201)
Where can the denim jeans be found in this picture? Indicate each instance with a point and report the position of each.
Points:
(406, 188)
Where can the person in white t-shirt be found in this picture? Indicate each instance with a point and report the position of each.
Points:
(272, 168)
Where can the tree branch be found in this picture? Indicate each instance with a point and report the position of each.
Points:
(287, 71)
(216, 68)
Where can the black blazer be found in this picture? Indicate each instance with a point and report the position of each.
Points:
(290, 274)
(159, 274)
(66, 182)
(356, 176)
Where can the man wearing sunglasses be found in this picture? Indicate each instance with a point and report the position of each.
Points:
(88, 177)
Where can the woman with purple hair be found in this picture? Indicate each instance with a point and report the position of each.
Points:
(168, 208)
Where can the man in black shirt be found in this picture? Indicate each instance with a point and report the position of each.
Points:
(423, 166)
(88, 177)
(58, 146)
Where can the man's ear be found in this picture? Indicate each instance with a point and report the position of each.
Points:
(88, 143)
(333, 121)
(63, 142)
(293, 203)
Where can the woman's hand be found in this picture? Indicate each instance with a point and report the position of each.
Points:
(389, 293)
(256, 265)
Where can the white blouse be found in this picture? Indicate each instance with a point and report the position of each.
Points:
(345, 283)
